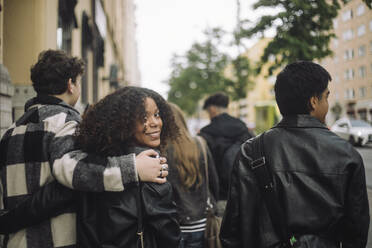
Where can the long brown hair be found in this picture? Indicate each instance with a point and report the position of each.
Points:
(186, 152)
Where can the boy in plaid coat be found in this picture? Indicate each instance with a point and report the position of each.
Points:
(39, 149)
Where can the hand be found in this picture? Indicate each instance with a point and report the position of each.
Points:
(148, 167)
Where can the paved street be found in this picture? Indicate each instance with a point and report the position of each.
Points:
(366, 153)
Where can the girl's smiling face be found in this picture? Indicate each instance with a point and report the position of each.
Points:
(147, 132)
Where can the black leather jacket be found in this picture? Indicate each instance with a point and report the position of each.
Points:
(320, 183)
(192, 203)
(110, 219)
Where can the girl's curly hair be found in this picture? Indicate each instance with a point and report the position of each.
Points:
(108, 126)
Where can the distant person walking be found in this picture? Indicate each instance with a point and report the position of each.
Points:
(187, 176)
(298, 184)
(224, 136)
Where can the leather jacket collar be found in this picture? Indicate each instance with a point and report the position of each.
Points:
(300, 121)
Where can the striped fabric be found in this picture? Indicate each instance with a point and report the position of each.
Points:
(195, 226)
(39, 149)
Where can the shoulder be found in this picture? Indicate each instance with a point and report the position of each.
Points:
(52, 113)
(56, 117)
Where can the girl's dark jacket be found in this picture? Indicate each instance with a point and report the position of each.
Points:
(110, 219)
(320, 183)
(192, 203)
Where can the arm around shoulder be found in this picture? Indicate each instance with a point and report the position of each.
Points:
(84, 171)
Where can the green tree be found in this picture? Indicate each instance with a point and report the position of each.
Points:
(303, 29)
(199, 72)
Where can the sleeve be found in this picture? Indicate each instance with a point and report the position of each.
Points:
(213, 176)
(357, 209)
(51, 200)
(78, 170)
(230, 231)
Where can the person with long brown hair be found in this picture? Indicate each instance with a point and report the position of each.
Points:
(188, 178)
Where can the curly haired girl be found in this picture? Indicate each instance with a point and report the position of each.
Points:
(130, 120)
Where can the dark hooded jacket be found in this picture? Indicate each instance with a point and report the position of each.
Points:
(223, 132)
(319, 180)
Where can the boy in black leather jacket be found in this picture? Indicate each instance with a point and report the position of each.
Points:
(319, 178)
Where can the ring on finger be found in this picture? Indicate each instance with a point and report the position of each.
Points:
(161, 173)
(164, 167)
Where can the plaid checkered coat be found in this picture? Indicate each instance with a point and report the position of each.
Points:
(38, 149)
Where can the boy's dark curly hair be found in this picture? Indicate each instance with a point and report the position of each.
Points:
(53, 70)
(108, 126)
(218, 99)
(297, 83)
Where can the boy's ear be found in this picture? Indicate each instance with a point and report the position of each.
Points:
(313, 102)
(69, 86)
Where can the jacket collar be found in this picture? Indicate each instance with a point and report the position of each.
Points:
(220, 116)
(47, 100)
(300, 121)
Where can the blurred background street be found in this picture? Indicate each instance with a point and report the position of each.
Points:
(189, 49)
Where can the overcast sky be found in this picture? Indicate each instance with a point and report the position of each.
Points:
(165, 27)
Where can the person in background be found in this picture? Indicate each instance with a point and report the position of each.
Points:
(39, 149)
(317, 177)
(224, 136)
(187, 176)
(130, 120)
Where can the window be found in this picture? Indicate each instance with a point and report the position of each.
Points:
(361, 30)
(349, 54)
(349, 94)
(335, 24)
(362, 51)
(362, 71)
(347, 15)
(271, 80)
(348, 34)
(337, 79)
(360, 10)
(362, 91)
(349, 74)
(335, 43)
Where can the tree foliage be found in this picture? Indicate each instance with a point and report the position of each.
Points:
(201, 72)
(303, 29)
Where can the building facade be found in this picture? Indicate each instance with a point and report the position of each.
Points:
(351, 64)
(258, 109)
(102, 32)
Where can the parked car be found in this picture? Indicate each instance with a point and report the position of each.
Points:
(357, 132)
